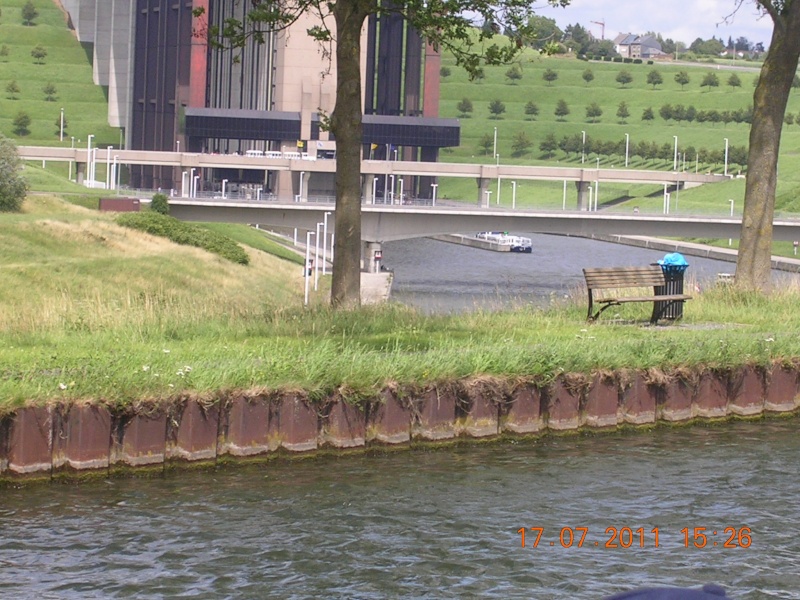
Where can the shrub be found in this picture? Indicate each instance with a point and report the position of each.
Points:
(39, 53)
(185, 234)
(649, 62)
(444, 72)
(617, 59)
(160, 204)
(638, 61)
(29, 13)
(13, 186)
(627, 60)
(21, 123)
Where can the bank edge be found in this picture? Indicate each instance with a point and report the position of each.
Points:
(73, 441)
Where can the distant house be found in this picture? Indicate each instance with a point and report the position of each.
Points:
(629, 45)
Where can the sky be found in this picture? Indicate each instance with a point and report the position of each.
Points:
(681, 20)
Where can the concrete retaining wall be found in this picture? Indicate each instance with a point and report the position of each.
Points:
(78, 440)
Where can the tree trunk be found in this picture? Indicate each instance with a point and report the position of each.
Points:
(769, 107)
(346, 125)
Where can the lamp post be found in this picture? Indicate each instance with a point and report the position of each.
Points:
(178, 144)
(108, 167)
(513, 194)
(325, 241)
(89, 159)
(730, 240)
(401, 181)
(316, 258)
(488, 197)
(627, 144)
(433, 197)
(374, 188)
(391, 194)
(306, 267)
(726, 157)
(183, 183)
(583, 146)
(196, 179)
(302, 175)
(61, 128)
(191, 182)
(224, 183)
(116, 173)
(675, 158)
(494, 148)
(70, 162)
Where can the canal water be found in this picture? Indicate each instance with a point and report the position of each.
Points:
(430, 524)
(441, 277)
(683, 506)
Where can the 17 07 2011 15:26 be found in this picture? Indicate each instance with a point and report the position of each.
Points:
(628, 537)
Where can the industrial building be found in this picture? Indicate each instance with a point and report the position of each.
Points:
(170, 90)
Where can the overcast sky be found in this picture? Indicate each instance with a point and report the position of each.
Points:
(681, 20)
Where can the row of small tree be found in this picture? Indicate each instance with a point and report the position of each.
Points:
(39, 53)
(29, 13)
(624, 77)
(22, 123)
(574, 146)
(49, 90)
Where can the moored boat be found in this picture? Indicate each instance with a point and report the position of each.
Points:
(515, 243)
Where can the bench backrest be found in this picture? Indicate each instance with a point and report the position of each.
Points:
(621, 277)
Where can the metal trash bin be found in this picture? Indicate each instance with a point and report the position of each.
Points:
(673, 265)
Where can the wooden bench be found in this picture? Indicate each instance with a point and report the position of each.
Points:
(617, 278)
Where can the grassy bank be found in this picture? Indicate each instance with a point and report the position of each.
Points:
(90, 310)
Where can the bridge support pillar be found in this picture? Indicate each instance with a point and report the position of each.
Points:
(483, 187)
(583, 194)
(372, 256)
(301, 194)
(368, 189)
(80, 172)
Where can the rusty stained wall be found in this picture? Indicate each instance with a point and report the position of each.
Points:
(76, 440)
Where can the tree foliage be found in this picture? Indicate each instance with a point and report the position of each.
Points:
(520, 144)
(29, 13)
(588, 76)
(464, 107)
(593, 112)
(531, 110)
(550, 76)
(497, 108)
(682, 77)
(624, 78)
(12, 89)
(623, 112)
(49, 90)
(562, 109)
(39, 53)
(734, 81)
(21, 123)
(514, 73)
(654, 78)
(710, 80)
(13, 185)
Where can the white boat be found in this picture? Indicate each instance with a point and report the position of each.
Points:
(516, 243)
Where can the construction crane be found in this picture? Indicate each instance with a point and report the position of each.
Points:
(602, 28)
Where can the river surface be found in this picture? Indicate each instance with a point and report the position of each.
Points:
(428, 524)
(441, 277)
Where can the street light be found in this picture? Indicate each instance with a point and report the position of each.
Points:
(61, 129)
(494, 148)
(302, 175)
(675, 158)
(70, 160)
(374, 188)
(391, 194)
(513, 194)
(108, 167)
(583, 146)
(598, 162)
(325, 241)
(434, 186)
(224, 183)
(726, 157)
(730, 240)
(89, 157)
(401, 181)
(627, 143)
(196, 179)
(191, 182)
(488, 197)
(306, 268)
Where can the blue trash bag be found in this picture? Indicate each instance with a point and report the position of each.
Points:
(673, 259)
(708, 592)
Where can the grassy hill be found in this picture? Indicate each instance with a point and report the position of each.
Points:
(67, 66)
(69, 268)
(608, 93)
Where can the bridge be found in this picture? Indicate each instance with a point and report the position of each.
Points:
(304, 165)
(383, 223)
